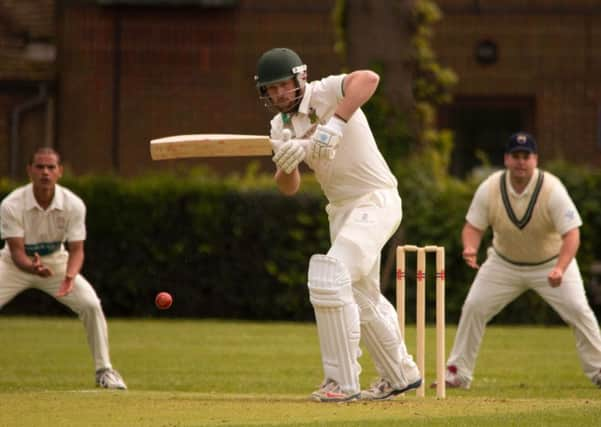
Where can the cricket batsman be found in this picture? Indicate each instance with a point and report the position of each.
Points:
(321, 123)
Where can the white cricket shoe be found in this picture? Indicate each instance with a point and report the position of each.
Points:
(109, 378)
(330, 391)
(381, 389)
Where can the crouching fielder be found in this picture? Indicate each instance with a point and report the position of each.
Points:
(535, 240)
(321, 123)
(43, 224)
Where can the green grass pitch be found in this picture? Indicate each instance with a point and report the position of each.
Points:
(230, 373)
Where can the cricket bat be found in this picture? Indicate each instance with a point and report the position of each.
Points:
(210, 145)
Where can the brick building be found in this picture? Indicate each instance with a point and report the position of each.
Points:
(127, 71)
(99, 78)
(133, 73)
(27, 79)
(523, 64)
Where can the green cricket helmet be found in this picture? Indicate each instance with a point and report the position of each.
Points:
(278, 65)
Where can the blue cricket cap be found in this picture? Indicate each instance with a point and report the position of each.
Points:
(521, 141)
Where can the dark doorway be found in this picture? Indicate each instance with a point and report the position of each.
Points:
(481, 127)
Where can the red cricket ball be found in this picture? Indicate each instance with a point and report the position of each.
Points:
(163, 300)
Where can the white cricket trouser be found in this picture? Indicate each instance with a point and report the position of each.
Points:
(498, 282)
(82, 300)
(359, 229)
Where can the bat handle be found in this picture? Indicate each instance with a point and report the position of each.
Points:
(277, 143)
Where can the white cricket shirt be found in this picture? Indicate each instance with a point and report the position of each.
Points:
(44, 231)
(359, 167)
(560, 206)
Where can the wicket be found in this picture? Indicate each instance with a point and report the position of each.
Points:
(421, 310)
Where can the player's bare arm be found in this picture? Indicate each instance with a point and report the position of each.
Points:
(288, 183)
(24, 262)
(74, 264)
(569, 248)
(471, 238)
(358, 87)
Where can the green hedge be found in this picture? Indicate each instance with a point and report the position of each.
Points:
(221, 251)
(434, 211)
(238, 249)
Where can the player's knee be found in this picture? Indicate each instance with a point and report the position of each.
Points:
(575, 312)
(89, 305)
(474, 306)
(328, 276)
(358, 262)
(368, 303)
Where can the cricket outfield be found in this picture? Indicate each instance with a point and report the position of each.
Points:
(229, 373)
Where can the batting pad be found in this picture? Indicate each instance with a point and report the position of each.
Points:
(337, 318)
(382, 337)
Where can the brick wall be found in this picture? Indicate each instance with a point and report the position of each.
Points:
(6, 102)
(180, 70)
(550, 50)
(85, 102)
(131, 74)
(379, 32)
(21, 23)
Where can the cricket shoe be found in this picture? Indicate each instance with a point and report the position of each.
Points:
(383, 390)
(109, 378)
(330, 391)
(455, 380)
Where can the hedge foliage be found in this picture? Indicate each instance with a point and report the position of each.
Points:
(235, 248)
(434, 207)
(220, 249)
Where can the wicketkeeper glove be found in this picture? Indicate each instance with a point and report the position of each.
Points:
(326, 138)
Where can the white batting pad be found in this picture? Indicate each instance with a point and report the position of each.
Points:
(382, 337)
(337, 318)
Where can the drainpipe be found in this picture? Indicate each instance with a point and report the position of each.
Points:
(40, 99)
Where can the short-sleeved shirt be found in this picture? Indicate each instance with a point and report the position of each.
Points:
(43, 231)
(358, 168)
(560, 206)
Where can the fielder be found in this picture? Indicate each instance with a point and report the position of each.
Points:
(535, 240)
(43, 225)
(321, 123)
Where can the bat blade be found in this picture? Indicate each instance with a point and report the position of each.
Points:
(209, 145)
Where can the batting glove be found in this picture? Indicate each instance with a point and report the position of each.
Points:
(290, 154)
(326, 138)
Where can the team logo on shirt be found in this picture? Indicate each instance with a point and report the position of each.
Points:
(363, 218)
(570, 214)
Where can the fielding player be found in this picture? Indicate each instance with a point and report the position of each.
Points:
(331, 134)
(535, 239)
(44, 228)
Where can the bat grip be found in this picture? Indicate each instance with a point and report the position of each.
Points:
(277, 143)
